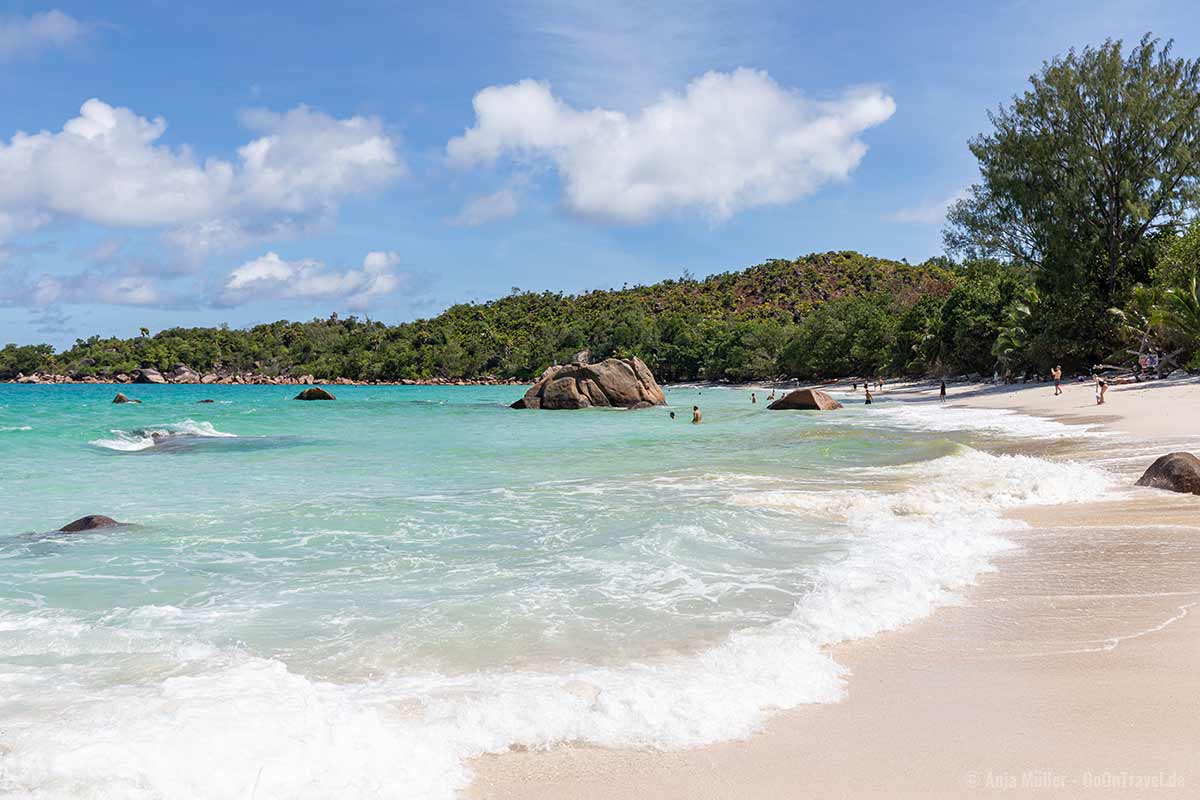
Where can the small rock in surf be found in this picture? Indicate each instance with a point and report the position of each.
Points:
(89, 523)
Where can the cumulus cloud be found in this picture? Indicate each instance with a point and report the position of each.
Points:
(493, 207)
(927, 214)
(22, 37)
(106, 166)
(731, 141)
(82, 288)
(271, 277)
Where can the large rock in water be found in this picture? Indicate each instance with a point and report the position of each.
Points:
(89, 523)
(146, 375)
(182, 373)
(805, 399)
(1178, 472)
(121, 398)
(615, 382)
(315, 393)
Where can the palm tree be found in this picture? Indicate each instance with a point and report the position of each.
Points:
(1179, 314)
(1012, 338)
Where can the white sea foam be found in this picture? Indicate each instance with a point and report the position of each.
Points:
(145, 438)
(9, 428)
(936, 417)
(230, 724)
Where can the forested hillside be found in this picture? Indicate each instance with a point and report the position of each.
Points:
(819, 316)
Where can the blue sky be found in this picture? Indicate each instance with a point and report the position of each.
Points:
(166, 163)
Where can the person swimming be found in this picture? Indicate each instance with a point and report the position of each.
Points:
(672, 415)
(753, 398)
(696, 415)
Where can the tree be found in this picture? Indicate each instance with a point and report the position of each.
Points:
(1180, 260)
(1179, 314)
(1082, 171)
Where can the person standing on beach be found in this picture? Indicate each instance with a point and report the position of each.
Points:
(942, 392)
(1056, 373)
(695, 415)
(1101, 388)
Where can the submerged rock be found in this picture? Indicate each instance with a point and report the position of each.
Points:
(206, 401)
(805, 399)
(121, 398)
(614, 382)
(147, 375)
(1176, 472)
(89, 523)
(315, 393)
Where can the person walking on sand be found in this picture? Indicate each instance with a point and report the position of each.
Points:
(1056, 373)
(942, 392)
(695, 415)
(1101, 388)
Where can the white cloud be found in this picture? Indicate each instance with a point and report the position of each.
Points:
(83, 288)
(106, 166)
(22, 37)
(928, 214)
(493, 207)
(731, 141)
(306, 159)
(269, 277)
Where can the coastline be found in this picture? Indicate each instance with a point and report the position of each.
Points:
(1070, 670)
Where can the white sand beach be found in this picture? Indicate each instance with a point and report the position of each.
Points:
(1073, 670)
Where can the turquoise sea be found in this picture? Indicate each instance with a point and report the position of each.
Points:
(351, 598)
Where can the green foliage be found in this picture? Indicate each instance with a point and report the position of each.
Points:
(1179, 315)
(1084, 169)
(1179, 263)
(26, 359)
(974, 313)
(820, 316)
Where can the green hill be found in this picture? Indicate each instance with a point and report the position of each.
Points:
(819, 316)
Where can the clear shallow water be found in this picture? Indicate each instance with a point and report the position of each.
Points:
(350, 598)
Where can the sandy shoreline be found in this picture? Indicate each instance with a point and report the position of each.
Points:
(1073, 670)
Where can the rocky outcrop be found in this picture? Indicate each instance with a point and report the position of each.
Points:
(147, 375)
(1177, 472)
(614, 382)
(121, 398)
(89, 523)
(315, 393)
(805, 399)
(182, 373)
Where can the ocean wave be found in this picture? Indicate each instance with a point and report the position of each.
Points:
(412, 733)
(145, 438)
(938, 418)
(10, 428)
